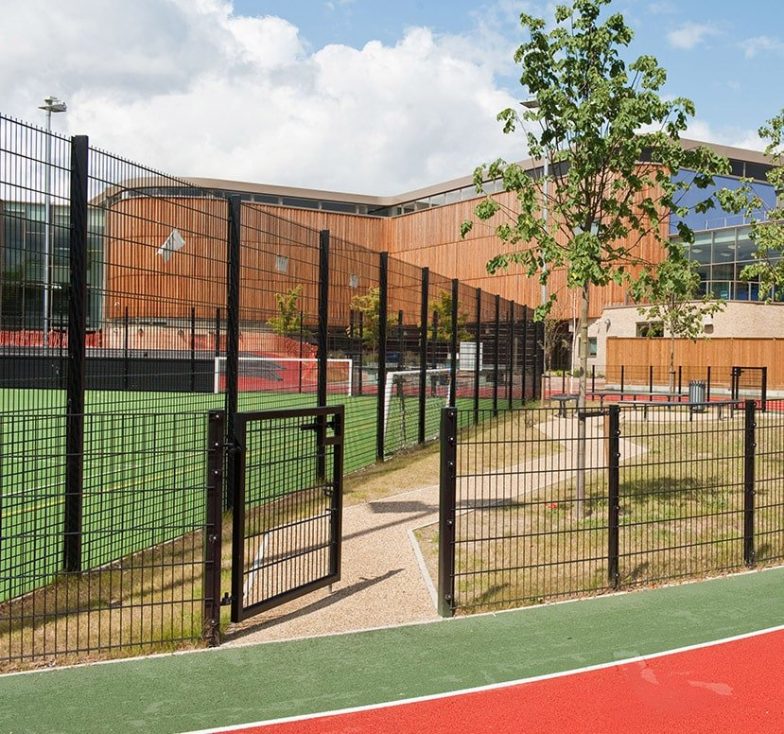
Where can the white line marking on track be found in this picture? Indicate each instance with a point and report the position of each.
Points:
(491, 686)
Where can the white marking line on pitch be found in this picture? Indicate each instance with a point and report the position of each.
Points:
(491, 686)
(255, 568)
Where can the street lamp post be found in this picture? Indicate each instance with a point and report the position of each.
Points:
(50, 105)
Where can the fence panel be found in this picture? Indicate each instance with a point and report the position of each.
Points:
(142, 545)
(354, 332)
(769, 486)
(672, 491)
(279, 281)
(517, 539)
(681, 493)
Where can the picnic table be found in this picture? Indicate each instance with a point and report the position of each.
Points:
(562, 399)
(636, 396)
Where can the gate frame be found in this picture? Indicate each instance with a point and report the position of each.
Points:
(321, 417)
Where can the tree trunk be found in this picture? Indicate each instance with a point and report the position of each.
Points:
(582, 439)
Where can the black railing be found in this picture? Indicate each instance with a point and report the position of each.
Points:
(672, 491)
(129, 315)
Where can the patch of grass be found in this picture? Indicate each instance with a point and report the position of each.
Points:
(681, 516)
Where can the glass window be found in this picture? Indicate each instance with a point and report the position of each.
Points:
(593, 346)
(649, 329)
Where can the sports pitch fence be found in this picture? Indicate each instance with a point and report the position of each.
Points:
(132, 304)
(672, 491)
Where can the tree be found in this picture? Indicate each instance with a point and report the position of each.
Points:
(675, 303)
(612, 142)
(368, 304)
(441, 306)
(767, 226)
(555, 337)
(288, 319)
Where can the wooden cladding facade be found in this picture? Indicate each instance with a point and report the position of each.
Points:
(280, 251)
(715, 353)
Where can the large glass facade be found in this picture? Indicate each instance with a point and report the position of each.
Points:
(722, 254)
(22, 239)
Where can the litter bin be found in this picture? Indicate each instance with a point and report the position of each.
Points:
(697, 396)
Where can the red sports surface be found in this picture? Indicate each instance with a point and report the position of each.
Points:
(734, 686)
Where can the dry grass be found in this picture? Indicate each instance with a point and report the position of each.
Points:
(149, 602)
(152, 601)
(681, 516)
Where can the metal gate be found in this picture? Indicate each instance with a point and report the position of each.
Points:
(750, 383)
(288, 472)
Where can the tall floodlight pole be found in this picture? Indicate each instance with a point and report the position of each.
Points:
(51, 104)
(533, 104)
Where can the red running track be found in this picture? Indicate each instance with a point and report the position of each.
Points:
(735, 686)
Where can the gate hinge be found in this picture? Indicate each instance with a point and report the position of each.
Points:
(226, 600)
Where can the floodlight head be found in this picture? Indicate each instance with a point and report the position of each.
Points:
(53, 104)
(531, 104)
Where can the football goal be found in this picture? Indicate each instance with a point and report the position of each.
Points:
(286, 374)
(401, 401)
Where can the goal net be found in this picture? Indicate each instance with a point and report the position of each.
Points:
(401, 404)
(285, 374)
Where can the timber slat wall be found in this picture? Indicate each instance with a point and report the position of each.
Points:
(718, 353)
(427, 238)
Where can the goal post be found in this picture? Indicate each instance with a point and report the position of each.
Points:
(285, 374)
(403, 384)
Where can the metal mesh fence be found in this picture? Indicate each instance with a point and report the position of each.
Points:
(133, 306)
(669, 491)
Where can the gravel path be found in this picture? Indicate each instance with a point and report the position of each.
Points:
(384, 580)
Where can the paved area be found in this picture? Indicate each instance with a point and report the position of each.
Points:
(384, 580)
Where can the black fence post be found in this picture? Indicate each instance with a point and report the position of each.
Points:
(680, 379)
(193, 349)
(382, 353)
(360, 367)
(478, 352)
(750, 446)
(650, 382)
(232, 339)
(593, 382)
(613, 499)
(434, 340)
(301, 347)
(622, 378)
(423, 309)
(538, 360)
(77, 329)
(126, 340)
(510, 343)
(496, 352)
(525, 354)
(453, 344)
(764, 390)
(213, 529)
(446, 515)
(400, 344)
(217, 332)
(323, 346)
(708, 387)
(734, 383)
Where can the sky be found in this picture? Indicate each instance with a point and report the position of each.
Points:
(368, 96)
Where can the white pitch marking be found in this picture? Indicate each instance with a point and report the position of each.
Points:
(489, 687)
(255, 568)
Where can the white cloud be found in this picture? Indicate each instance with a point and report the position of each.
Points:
(690, 35)
(761, 44)
(190, 88)
(664, 7)
(732, 136)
